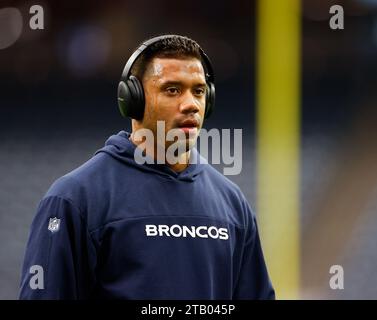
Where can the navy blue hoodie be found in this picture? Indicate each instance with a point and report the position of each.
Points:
(114, 229)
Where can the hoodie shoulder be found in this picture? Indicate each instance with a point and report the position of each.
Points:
(224, 182)
(232, 193)
(74, 185)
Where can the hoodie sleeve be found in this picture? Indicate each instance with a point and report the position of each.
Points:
(253, 281)
(60, 256)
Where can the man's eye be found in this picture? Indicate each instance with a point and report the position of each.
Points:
(172, 90)
(200, 91)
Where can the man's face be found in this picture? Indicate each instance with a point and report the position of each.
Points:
(175, 91)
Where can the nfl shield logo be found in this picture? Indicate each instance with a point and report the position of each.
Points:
(54, 224)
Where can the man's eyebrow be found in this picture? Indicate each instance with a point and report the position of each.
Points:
(170, 83)
(179, 83)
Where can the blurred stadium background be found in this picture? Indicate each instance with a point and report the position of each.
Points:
(58, 106)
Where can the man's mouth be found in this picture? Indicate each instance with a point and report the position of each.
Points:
(189, 126)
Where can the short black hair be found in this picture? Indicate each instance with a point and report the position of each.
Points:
(174, 46)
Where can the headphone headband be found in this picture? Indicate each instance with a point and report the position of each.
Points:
(145, 45)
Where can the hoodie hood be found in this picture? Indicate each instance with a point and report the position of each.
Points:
(120, 147)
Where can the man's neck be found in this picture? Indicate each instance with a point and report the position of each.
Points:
(182, 164)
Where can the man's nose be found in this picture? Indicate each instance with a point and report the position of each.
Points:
(189, 104)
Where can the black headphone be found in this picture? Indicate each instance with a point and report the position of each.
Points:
(131, 99)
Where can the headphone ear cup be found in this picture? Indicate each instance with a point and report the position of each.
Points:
(124, 98)
(210, 99)
(131, 98)
(138, 100)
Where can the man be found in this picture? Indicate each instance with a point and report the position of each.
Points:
(120, 229)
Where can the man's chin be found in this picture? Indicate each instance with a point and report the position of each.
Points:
(186, 145)
(180, 147)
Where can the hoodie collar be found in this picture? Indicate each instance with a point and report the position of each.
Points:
(120, 147)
